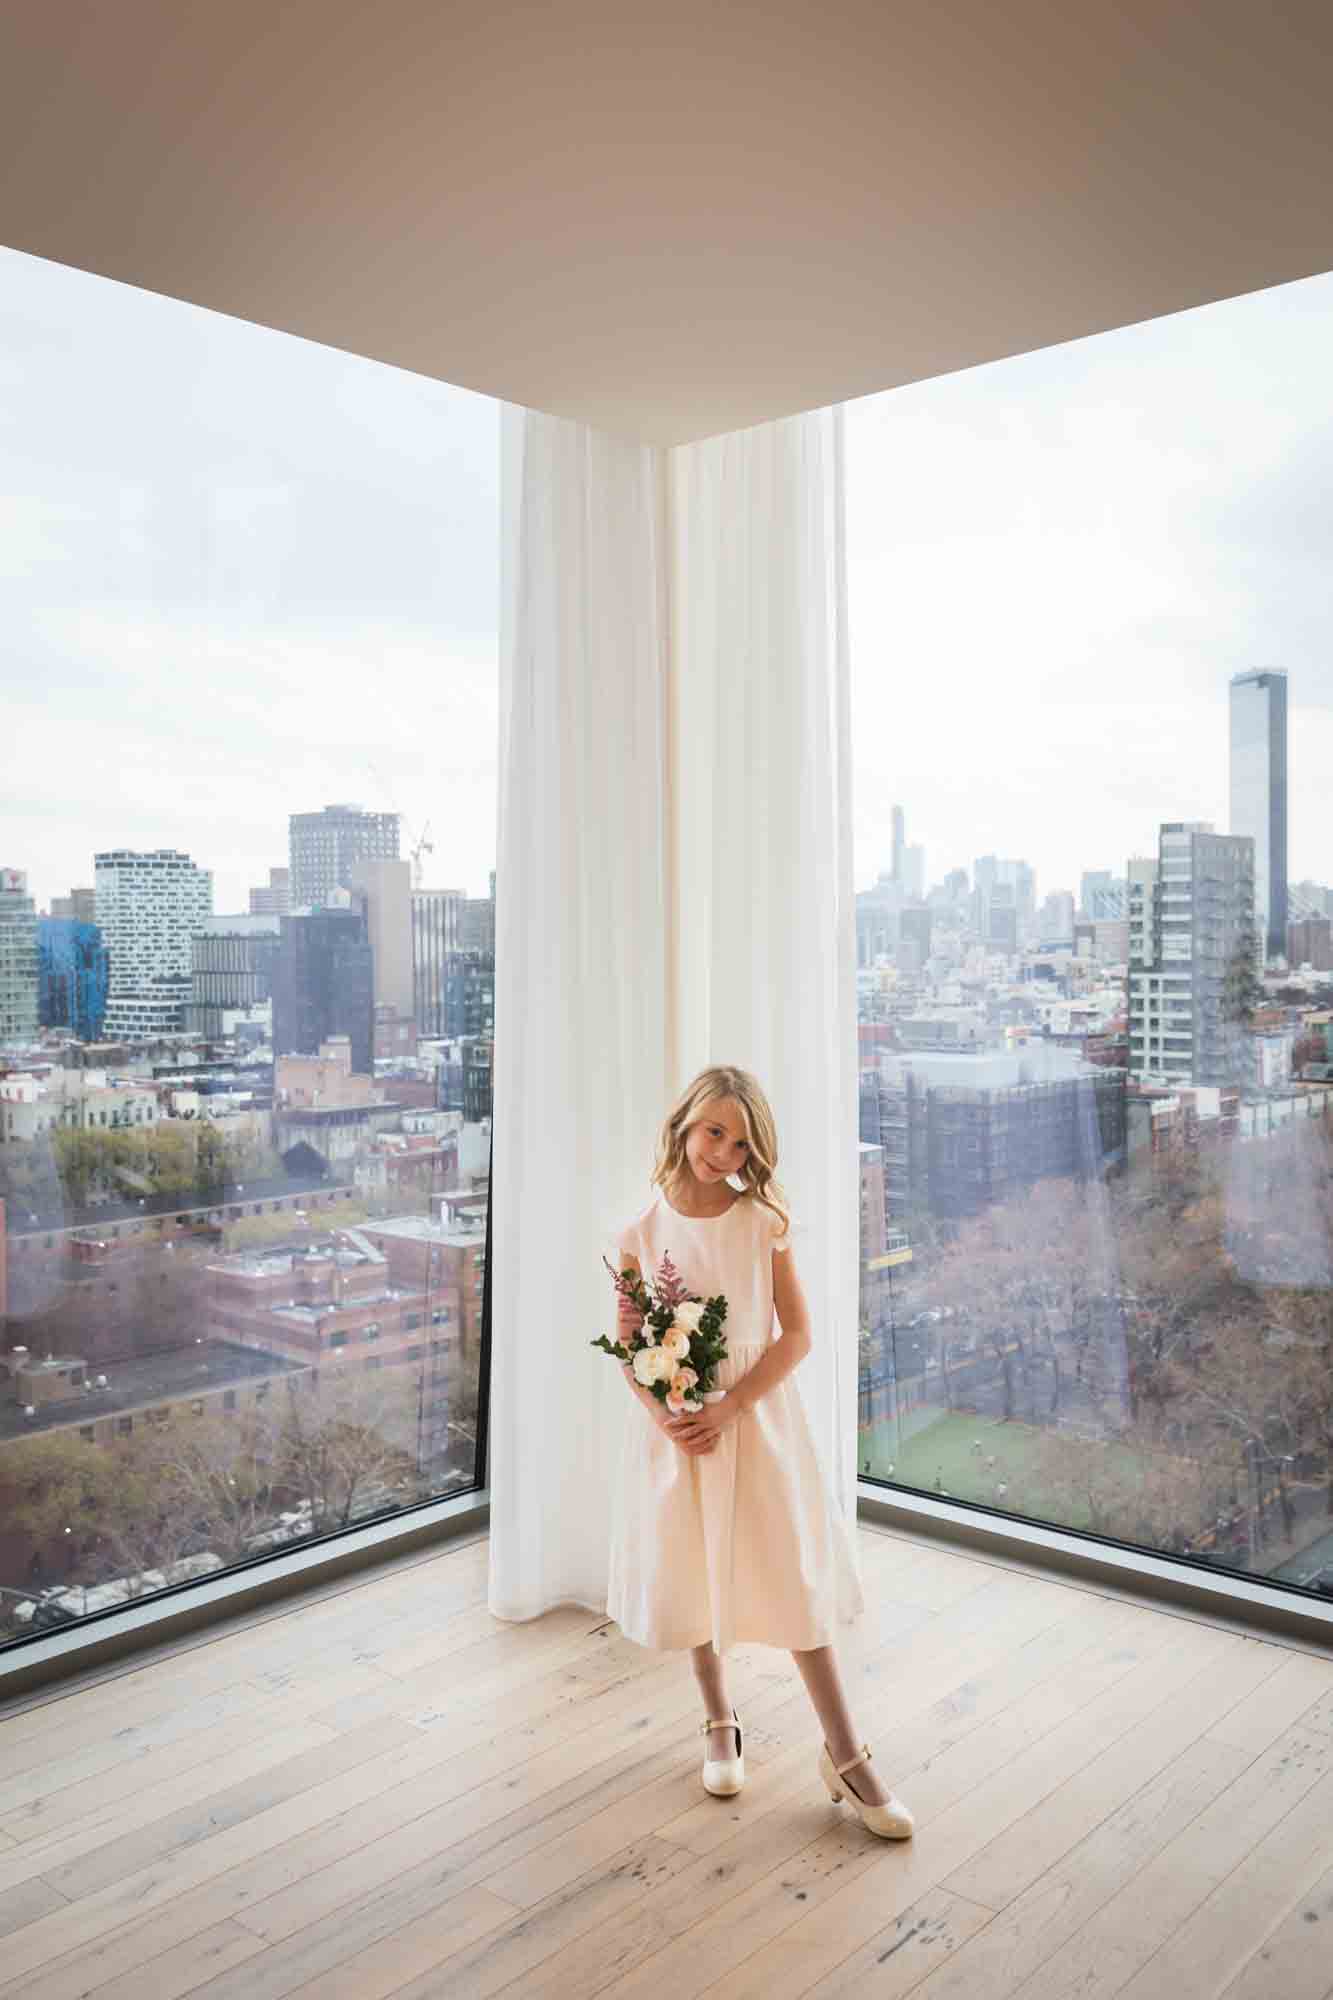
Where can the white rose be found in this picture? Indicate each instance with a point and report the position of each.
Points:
(688, 1314)
(645, 1365)
(676, 1344)
(653, 1364)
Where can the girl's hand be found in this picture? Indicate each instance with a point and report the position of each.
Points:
(698, 1431)
(694, 1445)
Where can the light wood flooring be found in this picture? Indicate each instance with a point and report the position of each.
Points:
(382, 1790)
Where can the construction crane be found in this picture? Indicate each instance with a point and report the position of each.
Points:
(425, 845)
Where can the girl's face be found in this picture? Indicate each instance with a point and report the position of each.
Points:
(715, 1144)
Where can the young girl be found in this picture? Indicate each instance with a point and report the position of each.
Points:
(723, 1528)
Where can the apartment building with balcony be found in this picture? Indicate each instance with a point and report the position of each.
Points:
(1193, 958)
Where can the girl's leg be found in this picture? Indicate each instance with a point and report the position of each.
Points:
(819, 1670)
(710, 1672)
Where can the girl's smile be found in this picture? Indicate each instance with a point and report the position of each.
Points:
(721, 1124)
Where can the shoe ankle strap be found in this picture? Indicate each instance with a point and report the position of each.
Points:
(861, 1757)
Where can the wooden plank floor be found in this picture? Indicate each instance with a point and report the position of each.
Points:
(382, 1790)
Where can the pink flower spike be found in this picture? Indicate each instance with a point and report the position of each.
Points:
(671, 1289)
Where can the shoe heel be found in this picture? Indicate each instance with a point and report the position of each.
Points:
(836, 1798)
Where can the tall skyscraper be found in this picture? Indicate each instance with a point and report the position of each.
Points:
(1191, 957)
(149, 907)
(18, 958)
(1259, 793)
(326, 846)
(899, 843)
(323, 985)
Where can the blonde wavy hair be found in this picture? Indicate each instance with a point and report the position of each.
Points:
(761, 1157)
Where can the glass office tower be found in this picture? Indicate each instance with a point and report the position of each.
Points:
(1259, 793)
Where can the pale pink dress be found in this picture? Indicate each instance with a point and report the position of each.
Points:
(743, 1542)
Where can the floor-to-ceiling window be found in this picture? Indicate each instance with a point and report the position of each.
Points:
(1093, 708)
(247, 936)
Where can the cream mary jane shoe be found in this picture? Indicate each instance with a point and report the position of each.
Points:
(724, 1775)
(892, 1821)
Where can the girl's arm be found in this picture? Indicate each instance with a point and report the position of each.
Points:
(778, 1361)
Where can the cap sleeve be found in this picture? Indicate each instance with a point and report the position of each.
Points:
(781, 1236)
(623, 1235)
(617, 1232)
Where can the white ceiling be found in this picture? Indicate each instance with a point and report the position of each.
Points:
(676, 219)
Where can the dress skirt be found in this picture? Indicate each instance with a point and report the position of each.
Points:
(742, 1542)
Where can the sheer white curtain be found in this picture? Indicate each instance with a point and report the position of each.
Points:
(580, 993)
(761, 795)
(673, 887)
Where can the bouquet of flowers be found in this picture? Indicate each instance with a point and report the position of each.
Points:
(676, 1349)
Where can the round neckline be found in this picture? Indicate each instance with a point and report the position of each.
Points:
(698, 1218)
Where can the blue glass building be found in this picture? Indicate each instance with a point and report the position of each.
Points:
(73, 967)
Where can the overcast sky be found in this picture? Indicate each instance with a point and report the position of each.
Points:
(1058, 562)
(243, 575)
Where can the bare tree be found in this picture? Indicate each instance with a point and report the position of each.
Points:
(354, 1434)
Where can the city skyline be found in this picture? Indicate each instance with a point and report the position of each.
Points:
(246, 574)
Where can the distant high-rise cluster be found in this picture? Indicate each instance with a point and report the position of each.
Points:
(1004, 901)
(326, 846)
